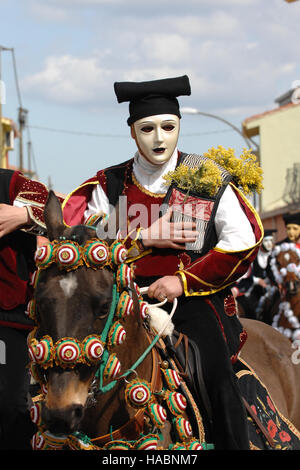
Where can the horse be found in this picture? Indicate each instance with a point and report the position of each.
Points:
(108, 378)
(285, 267)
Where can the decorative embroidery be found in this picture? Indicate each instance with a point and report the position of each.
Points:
(229, 305)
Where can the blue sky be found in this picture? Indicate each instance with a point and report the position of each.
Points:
(239, 55)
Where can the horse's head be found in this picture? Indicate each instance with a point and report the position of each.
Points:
(285, 264)
(72, 304)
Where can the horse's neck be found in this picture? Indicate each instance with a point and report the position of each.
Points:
(112, 411)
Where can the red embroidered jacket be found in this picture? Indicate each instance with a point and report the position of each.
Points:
(17, 248)
(208, 274)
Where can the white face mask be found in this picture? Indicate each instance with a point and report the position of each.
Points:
(156, 137)
(268, 243)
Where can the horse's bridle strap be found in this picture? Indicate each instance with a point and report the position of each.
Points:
(134, 427)
(130, 430)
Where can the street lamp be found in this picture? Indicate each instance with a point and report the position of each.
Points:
(249, 142)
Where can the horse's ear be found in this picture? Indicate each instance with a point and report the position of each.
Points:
(53, 217)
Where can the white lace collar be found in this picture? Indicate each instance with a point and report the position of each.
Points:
(150, 176)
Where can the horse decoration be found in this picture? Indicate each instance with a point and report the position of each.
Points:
(160, 399)
(109, 374)
(285, 267)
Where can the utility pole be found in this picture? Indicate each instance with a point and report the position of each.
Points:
(2, 48)
(22, 121)
(1, 129)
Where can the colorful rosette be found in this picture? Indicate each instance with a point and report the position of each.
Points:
(124, 276)
(149, 442)
(43, 255)
(176, 402)
(112, 368)
(35, 373)
(138, 393)
(34, 278)
(117, 334)
(157, 414)
(47, 441)
(177, 446)
(97, 253)
(55, 442)
(118, 253)
(183, 428)
(92, 348)
(197, 445)
(118, 445)
(41, 351)
(75, 443)
(68, 352)
(36, 413)
(38, 441)
(30, 309)
(144, 309)
(125, 305)
(67, 255)
(172, 378)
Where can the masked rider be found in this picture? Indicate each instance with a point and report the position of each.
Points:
(195, 261)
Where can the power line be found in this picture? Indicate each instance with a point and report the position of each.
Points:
(91, 134)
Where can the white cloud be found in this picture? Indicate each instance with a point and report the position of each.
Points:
(166, 48)
(69, 79)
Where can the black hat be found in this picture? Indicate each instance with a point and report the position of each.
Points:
(269, 232)
(292, 218)
(152, 97)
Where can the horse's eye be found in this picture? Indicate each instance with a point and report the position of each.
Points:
(103, 310)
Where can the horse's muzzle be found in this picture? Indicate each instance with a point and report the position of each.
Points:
(63, 421)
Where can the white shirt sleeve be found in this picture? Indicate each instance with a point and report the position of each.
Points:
(233, 228)
(97, 204)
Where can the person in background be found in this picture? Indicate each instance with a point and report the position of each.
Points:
(193, 259)
(21, 212)
(292, 226)
(253, 286)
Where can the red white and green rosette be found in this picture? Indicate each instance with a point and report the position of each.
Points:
(67, 255)
(148, 442)
(124, 276)
(117, 334)
(176, 402)
(112, 368)
(43, 255)
(138, 393)
(97, 253)
(118, 253)
(125, 305)
(68, 352)
(183, 428)
(118, 445)
(157, 414)
(41, 351)
(172, 378)
(93, 348)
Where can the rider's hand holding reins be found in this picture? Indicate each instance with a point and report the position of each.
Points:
(167, 287)
(166, 234)
(12, 218)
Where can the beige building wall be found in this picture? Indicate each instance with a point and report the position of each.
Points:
(279, 133)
